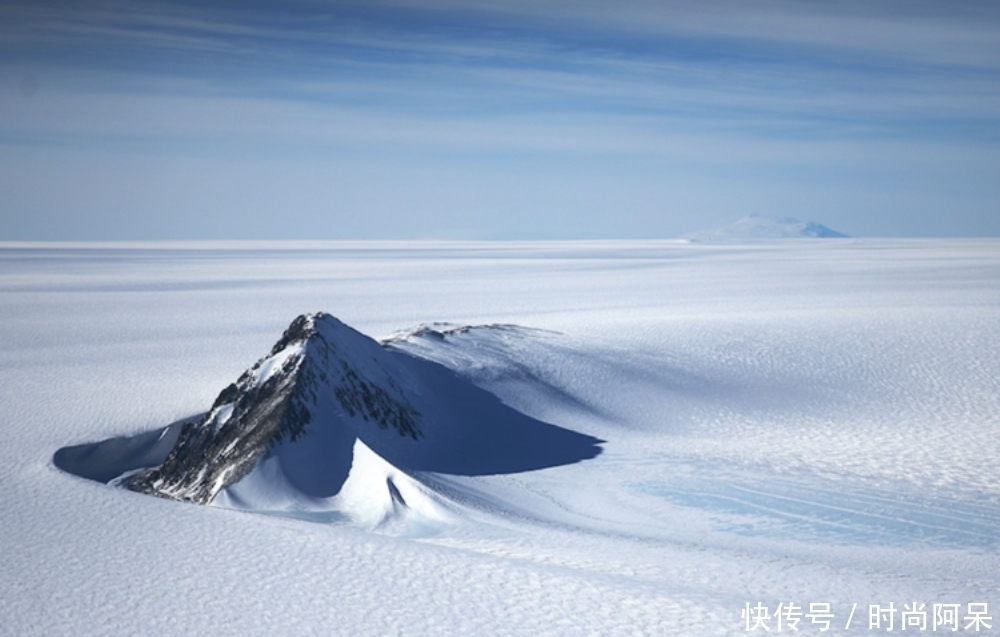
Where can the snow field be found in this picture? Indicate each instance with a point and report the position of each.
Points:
(789, 421)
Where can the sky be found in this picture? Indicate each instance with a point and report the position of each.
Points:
(482, 119)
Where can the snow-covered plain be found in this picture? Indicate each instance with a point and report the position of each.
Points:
(805, 421)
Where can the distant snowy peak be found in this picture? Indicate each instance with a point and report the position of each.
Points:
(319, 370)
(760, 227)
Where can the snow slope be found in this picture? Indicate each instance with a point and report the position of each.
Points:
(783, 422)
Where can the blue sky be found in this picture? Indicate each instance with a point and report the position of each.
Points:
(505, 120)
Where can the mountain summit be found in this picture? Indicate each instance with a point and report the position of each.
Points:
(320, 370)
(759, 227)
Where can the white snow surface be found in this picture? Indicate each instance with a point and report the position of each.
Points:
(363, 500)
(269, 366)
(783, 422)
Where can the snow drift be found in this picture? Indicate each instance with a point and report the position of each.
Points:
(330, 424)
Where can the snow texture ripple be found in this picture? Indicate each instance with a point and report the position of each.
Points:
(798, 421)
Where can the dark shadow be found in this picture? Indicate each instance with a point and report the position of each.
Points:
(106, 460)
(318, 463)
(468, 431)
(465, 430)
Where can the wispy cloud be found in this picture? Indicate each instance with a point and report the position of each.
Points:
(724, 85)
(720, 62)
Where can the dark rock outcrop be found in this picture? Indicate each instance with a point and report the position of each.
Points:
(318, 367)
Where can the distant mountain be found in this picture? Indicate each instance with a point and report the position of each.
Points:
(759, 227)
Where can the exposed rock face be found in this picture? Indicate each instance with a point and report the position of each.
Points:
(330, 409)
(320, 367)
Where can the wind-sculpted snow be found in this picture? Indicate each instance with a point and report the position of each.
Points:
(785, 422)
(104, 461)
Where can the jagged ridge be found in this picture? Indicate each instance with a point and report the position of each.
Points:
(276, 400)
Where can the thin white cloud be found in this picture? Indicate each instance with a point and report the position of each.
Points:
(187, 122)
(933, 33)
(769, 92)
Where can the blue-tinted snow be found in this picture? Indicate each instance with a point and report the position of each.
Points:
(809, 421)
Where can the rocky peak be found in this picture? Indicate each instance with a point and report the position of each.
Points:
(320, 369)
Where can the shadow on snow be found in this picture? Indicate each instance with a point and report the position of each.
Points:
(466, 430)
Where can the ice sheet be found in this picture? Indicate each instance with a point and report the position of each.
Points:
(798, 421)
